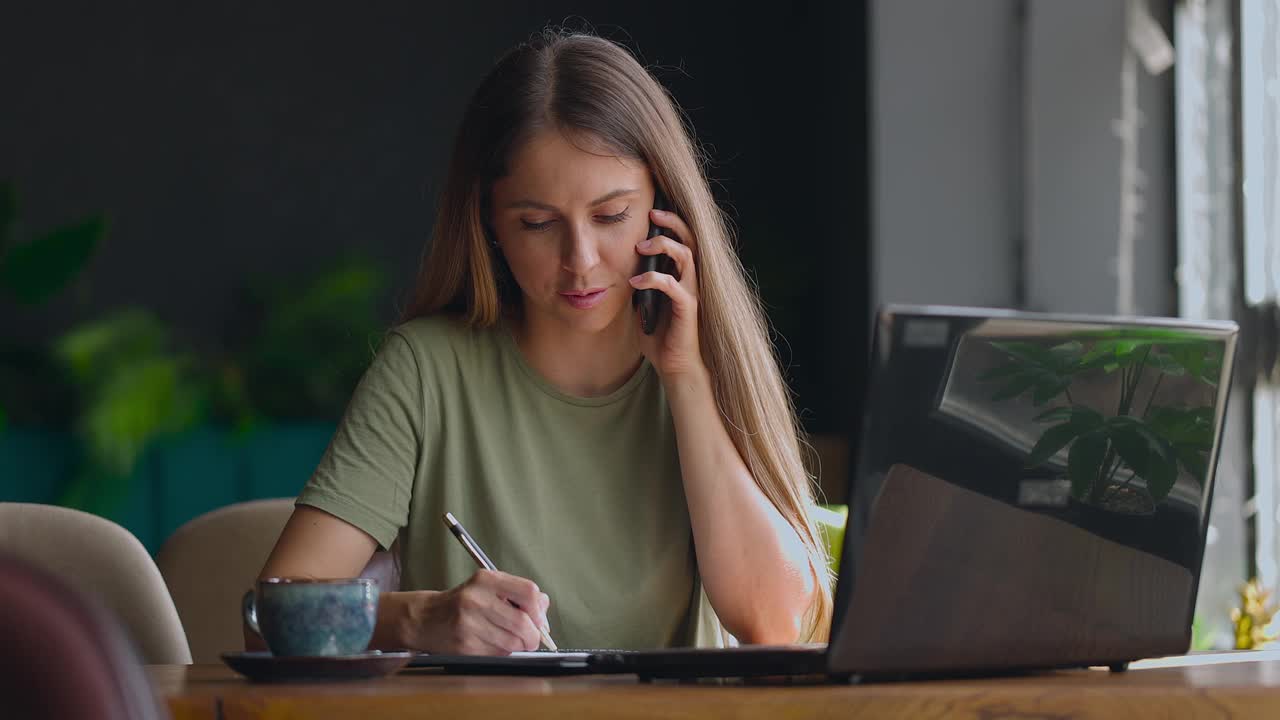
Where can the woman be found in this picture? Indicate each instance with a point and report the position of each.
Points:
(634, 490)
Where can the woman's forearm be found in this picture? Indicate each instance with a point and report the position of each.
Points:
(393, 614)
(753, 564)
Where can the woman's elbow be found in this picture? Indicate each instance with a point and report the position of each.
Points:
(780, 624)
(778, 628)
(777, 620)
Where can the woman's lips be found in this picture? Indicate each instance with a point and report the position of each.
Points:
(583, 299)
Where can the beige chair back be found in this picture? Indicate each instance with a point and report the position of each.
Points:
(100, 558)
(210, 561)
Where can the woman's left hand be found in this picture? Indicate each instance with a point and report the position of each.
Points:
(672, 348)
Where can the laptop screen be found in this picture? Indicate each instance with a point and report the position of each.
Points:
(1029, 489)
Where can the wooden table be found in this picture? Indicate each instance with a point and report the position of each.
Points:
(1219, 690)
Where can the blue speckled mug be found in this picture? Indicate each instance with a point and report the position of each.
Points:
(313, 617)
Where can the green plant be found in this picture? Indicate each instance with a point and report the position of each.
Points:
(32, 271)
(125, 380)
(134, 388)
(137, 384)
(314, 337)
(1149, 441)
(35, 269)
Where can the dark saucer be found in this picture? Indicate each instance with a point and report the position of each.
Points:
(262, 666)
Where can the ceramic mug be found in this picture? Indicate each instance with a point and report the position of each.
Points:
(297, 616)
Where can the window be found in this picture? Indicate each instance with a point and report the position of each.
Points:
(1228, 153)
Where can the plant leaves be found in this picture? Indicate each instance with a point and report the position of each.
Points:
(1059, 359)
(1015, 387)
(1201, 358)
(1097, 356)
(317, 335)
(1114, 353)
(1149, 334)
(1084, 462)
(1067, 352)
(34, 271)
(1126, 349)
(1129, 444)
(1192, 358)
(1053, 440)
(1183, 426)
(1166, 363)
(1162, 464)
(1045, 371)
(1145, 453)
(1161, 476)
(1055, 414)
(134, 405)
(1047, 391)
(92, 350)
(1086, 418)
(1212, 369)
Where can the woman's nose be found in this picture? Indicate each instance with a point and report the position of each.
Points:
(581, 250)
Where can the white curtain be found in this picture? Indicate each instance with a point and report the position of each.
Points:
(1208, 275)
(1260, 165)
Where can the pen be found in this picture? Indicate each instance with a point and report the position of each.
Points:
(473, 549)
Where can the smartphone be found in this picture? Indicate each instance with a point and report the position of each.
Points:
(651, 304)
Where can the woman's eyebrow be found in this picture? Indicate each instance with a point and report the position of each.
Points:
(609, 196)
(535, 205)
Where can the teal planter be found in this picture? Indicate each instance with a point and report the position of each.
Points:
(176, 480)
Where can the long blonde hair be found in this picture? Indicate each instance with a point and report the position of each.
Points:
(580, 83)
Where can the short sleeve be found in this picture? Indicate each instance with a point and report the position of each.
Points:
(366, 474)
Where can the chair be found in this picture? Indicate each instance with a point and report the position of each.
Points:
(100, 559)
(64, 655)
(211, 560)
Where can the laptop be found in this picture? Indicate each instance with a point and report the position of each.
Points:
(1030, 491)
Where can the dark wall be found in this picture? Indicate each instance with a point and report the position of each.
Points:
(232, 138)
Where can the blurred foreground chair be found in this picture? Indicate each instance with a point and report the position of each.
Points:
(211, 560)
(64, 655)
(100, 559)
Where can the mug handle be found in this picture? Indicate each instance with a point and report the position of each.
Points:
(249, 610)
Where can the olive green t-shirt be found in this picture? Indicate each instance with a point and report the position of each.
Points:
(582, 495)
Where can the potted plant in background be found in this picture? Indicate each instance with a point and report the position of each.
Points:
(33, 270)
(1123, 439)
(151, 425)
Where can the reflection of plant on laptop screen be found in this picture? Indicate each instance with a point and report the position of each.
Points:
(1124, 412)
